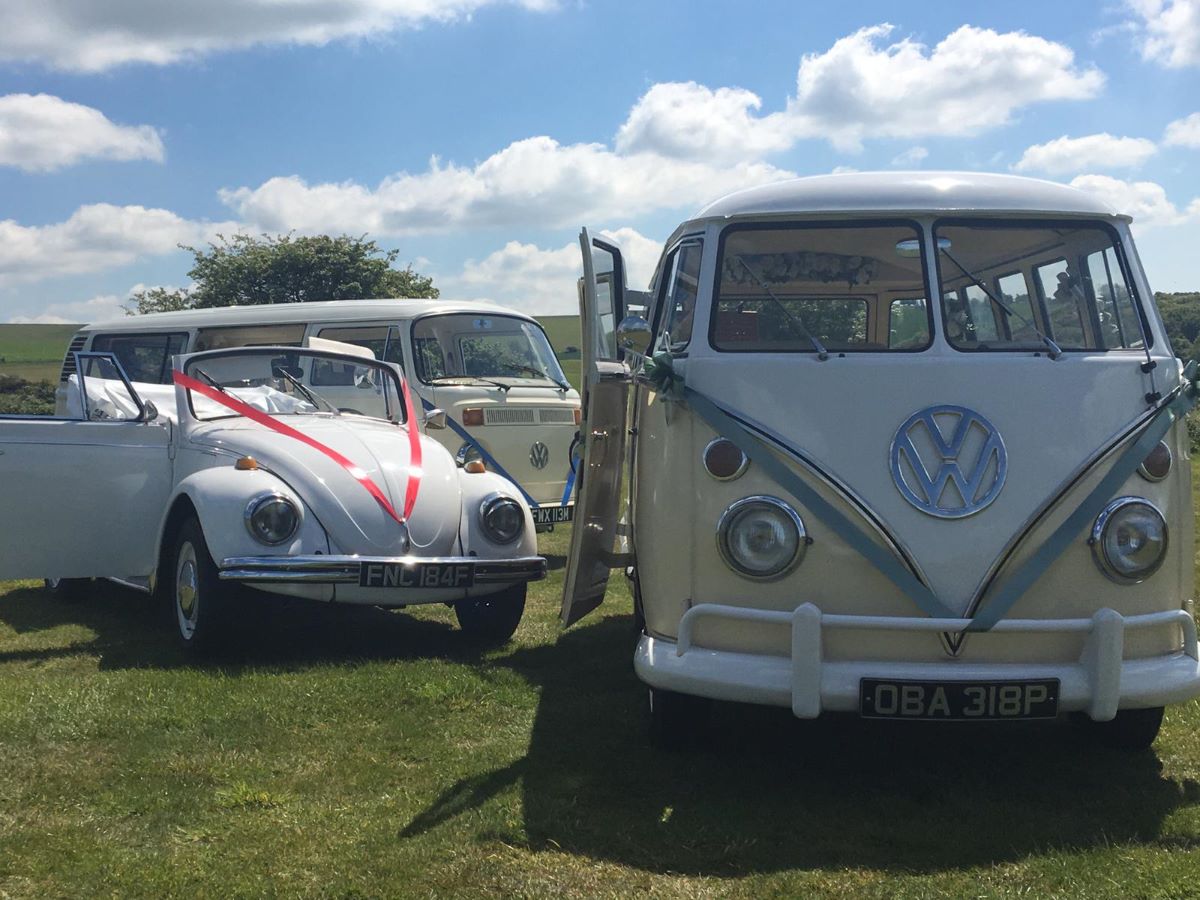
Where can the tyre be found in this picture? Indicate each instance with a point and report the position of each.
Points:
(68, 590)
(494, 617)
(1132, 729)
(677, 721)
(199, 601)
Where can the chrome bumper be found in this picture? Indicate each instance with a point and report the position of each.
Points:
(1099, 683)
(346, 569)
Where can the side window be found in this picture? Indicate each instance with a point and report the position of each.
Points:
(980, 313)
(1064, 298)
(604, 266)
(1118, 324)
(103, 394)
(145, 358)
(683, 285)
(250, 336)
(382, 340)
(908, 323)
(1014, 291)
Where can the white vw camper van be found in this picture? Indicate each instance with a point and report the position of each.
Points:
(490, 369)
(901, 445)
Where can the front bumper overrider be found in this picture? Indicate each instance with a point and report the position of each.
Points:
(1099, 683)
(346, 569)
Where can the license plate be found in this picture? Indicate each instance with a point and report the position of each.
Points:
(552, 515)
(969, 700)
(416, 575)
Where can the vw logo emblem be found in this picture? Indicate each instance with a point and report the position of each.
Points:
(948, 461)
(539, 455)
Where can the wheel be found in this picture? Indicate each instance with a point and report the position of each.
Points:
(677, 721)
(1132, 729)
(494, 617)
(68, 590)
(198, 599)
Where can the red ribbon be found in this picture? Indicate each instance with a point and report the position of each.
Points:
(262, 418)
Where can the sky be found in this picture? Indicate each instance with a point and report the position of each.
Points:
(477, 136)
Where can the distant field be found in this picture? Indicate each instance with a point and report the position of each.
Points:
(34, 352)
(563, 331)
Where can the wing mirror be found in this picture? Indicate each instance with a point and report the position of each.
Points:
(435, 419)
(149, 411)
(634, 334)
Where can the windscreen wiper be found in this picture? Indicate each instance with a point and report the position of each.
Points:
(309, 395)
(1007, 309)
(441, 379)
(212, 381)
(521, 367)
(794, 321)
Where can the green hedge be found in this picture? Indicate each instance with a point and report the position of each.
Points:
(21, 397)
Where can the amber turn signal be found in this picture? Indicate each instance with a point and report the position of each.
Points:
(246, 464)
(1157, 464)
(724, 460)
(578, 415)
(473, 416)
(475, 467)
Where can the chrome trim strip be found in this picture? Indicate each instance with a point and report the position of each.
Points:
(345, 569)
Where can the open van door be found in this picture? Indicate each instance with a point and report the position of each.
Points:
(595, 538)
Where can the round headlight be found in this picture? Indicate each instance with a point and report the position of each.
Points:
(272, 518)
(501, 518)
(761, 537)
(1129, 540)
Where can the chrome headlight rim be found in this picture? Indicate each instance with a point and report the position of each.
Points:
(261, 500)
(1145, 472)
(1099, 553)
(742, 465)
(726, 521)
(488, 504)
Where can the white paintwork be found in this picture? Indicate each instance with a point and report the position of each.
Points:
(805, 640)
(510, 445)
(92, 498)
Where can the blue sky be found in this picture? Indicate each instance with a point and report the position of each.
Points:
(477, 135)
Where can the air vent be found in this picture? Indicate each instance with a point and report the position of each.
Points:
(68, 366)
(562, 415)
(504, 415)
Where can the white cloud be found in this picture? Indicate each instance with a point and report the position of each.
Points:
(1065, 155)
(95, 237)
(972, 81)
(1183, 132)
(1168, 31)
(690, 121)
(526, 277)
(95, 309)
(910, 158)
(40, 132)
(90, 36)
(535, 181)
(1145, 201)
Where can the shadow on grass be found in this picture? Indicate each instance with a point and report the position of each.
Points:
(768, 792)
(134, 630)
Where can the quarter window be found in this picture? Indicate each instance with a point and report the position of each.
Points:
(382, 340)
(682, 288)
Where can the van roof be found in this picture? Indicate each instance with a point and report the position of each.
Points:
(909, 192)
(288, 313)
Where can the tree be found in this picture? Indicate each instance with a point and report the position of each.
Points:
(1181, 316)
(245, 270)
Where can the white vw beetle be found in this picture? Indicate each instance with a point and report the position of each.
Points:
(903, 445)
(243, 474)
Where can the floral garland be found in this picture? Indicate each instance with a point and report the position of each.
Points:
(780, 268)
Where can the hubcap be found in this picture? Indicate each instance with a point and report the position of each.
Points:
(187, 591)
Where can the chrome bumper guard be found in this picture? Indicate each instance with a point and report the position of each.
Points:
(1099, 683)
(345, 569)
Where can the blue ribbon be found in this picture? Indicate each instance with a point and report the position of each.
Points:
(494, 464)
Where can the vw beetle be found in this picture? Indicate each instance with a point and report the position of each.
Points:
(243, 475)
(907, 446)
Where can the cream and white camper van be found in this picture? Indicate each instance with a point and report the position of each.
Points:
(490, 369)
(901, 445)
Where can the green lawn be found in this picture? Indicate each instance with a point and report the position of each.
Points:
(368, 753)
(34, 352)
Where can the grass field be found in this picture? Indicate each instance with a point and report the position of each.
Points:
(365, 753)
(34, 352)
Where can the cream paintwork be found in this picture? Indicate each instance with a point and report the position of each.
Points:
(93, 499)
(509, 444)
(1055, 417)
